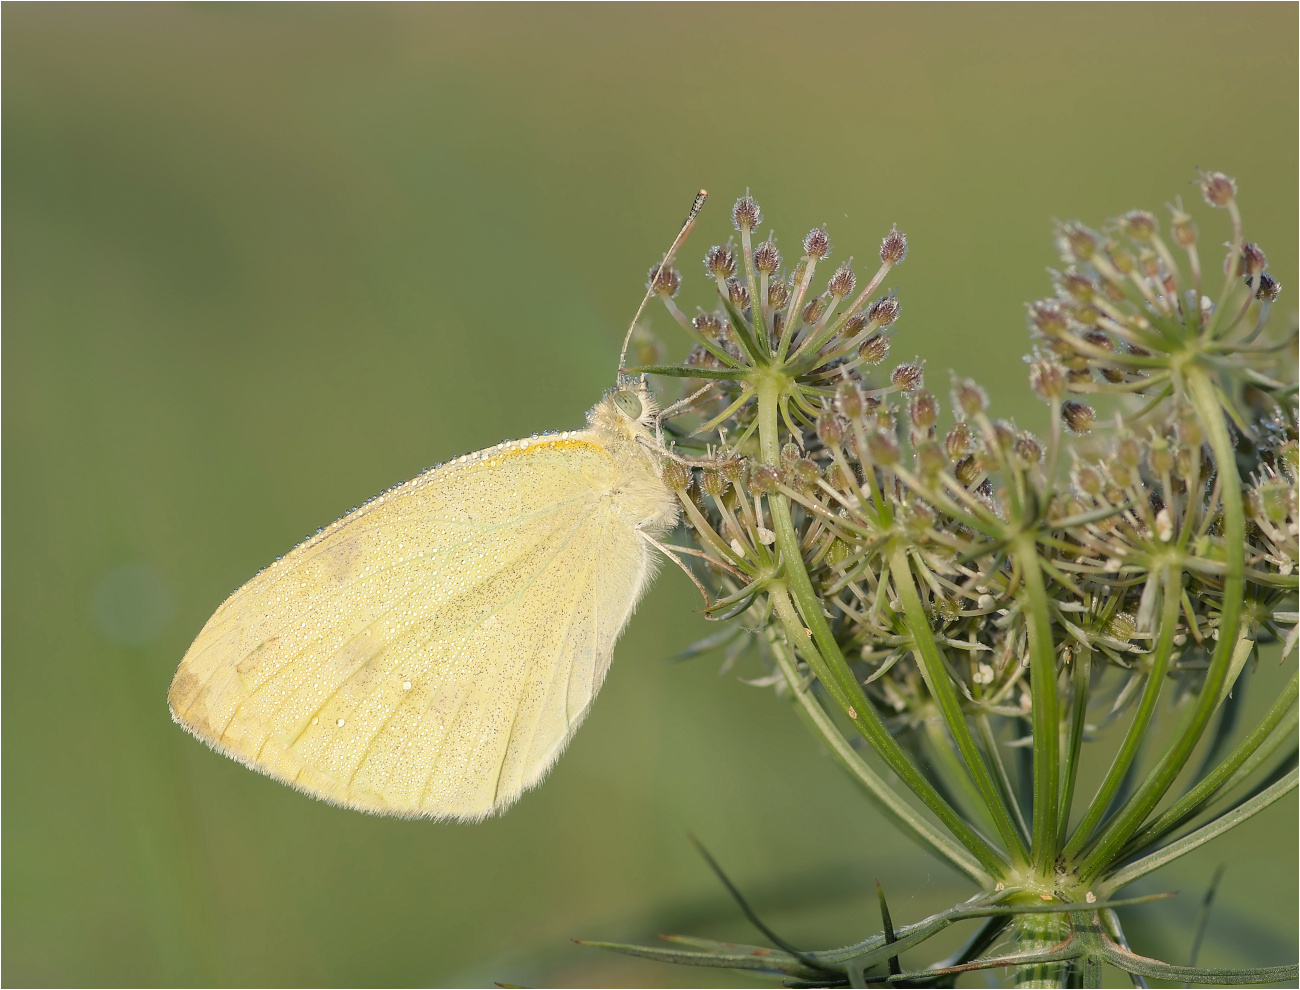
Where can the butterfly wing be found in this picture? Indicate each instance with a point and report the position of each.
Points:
(431, 653)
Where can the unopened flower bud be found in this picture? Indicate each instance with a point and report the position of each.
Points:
(923, 410)
(842, 282)
(1160, 459)
(1276, 500)
(1098, 339)
(1078, 241)
(874, 349)
(884, 311)
(1122, 259)
(853, 326)
(720, 261)
(807, 471)
(738, 294)
(1086, 479)
(701, 357)
(968, 397)
(1139, 225)
(908, 377)
(1252, 259)
(745, 214)
(676, 476)
(813, 311)
(967, 471)
(712, 484)
(732, 469)
(893, 249)
(1121, 474)
(930, 459)
(1183, 228)
(883, 447)
(664, 280)
(1079, 287)
(1128, 451)
(816, 244)
(1217, 188)
(1004, 434)
(831, 429)
(708, 325)
(763, 479)
(1077, 417)
(767, 259)
(1046, 378)
(1047, 317)
(789, 454)
(850, 400)
(1028, 448)
(1268, 288)
(960, 441)
(778, 294)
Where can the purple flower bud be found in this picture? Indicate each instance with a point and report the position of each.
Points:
(893, 249)
(1077, 417)
(767, 259)
(720, 261)
(1217, 188)
(745, 214)
(884, 311)
(817, 244)
(842, 282)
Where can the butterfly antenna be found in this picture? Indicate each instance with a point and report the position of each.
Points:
(696, 206)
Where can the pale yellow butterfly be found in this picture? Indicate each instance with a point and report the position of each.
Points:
(431, 653)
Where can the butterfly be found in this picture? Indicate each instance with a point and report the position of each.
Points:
(432, 653)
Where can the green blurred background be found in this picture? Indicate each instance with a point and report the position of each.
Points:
(261, 262)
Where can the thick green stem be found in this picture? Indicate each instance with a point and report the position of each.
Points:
(1205, 401)
(930, 660)
(1046, 711)
(1041, 933)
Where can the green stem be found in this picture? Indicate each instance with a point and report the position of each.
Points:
(1207, 832)
(1205, 402)
(1137, 729)
(984, 729)
(815, 639)
(930, 660)
(1226, 772)
(1040, 933)
(843, 688)
(898, 811)
(1081, 678)
(1046, 710)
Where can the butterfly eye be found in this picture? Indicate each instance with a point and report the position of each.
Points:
(629, 403)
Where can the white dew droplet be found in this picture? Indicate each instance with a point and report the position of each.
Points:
(406, 685)
(314, 719)
(341, 723)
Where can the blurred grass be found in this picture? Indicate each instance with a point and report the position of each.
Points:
(261, 262)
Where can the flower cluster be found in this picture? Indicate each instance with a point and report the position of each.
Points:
(959, 592)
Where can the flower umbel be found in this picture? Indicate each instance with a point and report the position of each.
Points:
(972, 601)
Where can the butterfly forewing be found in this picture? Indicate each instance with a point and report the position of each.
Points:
(432, 652)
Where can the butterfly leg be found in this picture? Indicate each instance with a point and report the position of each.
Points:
(671, 555)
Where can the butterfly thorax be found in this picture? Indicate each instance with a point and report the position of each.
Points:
(639, 491)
